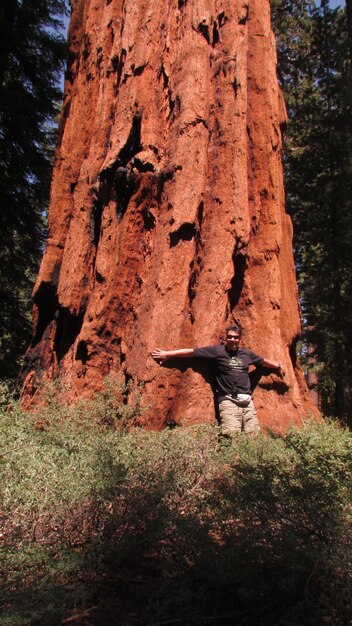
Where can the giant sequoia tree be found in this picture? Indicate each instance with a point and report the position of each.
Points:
(315, 73)
(31, 59)
(167, 216)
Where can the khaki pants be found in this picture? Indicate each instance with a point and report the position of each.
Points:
(235, 419)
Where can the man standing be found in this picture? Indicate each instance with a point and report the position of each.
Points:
(233, 391)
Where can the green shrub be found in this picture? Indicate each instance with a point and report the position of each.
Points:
(256, 532)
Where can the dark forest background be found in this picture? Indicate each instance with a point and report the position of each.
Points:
(314, 70)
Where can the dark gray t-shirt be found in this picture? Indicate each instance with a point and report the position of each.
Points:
(231, 368)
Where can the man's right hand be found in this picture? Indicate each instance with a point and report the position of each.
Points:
(160, 355)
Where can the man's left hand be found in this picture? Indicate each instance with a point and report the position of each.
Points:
(280, 371)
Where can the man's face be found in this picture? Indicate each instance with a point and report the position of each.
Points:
(232, 340)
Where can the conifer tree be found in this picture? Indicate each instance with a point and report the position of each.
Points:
(32, 52)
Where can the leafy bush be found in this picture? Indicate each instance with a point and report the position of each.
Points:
(172, 527)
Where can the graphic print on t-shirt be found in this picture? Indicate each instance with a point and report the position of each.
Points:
(235, 363)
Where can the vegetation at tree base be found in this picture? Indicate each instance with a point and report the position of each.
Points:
(176, 526)
(32, 53)
(315, 74)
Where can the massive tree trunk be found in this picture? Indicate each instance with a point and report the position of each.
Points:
(167, 218)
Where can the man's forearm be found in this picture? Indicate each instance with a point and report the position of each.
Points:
(163, 355)
(182, 352)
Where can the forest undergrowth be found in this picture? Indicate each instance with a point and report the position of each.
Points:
(104, 525)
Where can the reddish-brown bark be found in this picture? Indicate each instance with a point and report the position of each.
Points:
(167, 217)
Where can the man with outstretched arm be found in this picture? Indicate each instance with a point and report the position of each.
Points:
(233, 391)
